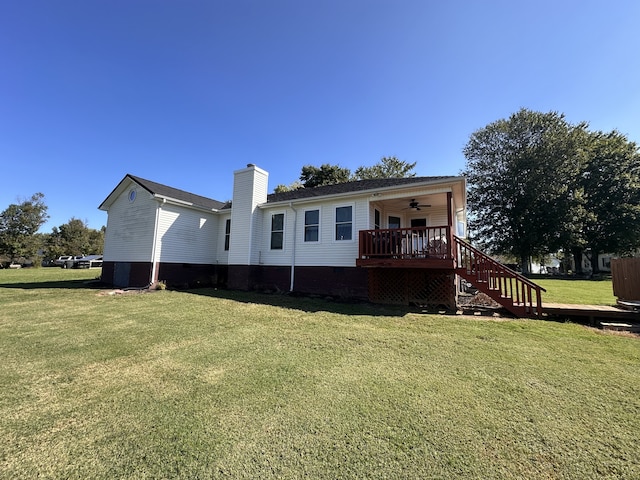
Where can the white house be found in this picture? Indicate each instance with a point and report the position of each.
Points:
(386, 240)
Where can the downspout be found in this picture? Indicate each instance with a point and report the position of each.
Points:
(293, 248)
(154, 263)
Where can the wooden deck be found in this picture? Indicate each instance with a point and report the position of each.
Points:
(591, 313)
(414, 247)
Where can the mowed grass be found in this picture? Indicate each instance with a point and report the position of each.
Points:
(581, 292)
(217, 384)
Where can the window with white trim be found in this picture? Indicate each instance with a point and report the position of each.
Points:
(311, 225)
(277, 231)
(394, 222)
(227, 233)
(344, 223)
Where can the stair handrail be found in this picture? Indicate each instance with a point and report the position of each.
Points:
(460, 244)
(523, 279)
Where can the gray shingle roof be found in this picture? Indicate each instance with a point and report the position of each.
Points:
(341, 188)
(348, 187)
(165, 191)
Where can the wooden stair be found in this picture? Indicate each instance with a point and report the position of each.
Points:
(513, 291)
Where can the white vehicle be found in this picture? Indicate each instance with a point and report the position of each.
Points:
(90, 261)
(66, 261)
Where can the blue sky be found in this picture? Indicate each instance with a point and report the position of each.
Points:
(184, 92)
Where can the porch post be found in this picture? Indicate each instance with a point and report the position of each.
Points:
(450, 222)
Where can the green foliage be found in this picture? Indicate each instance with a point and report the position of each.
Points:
(537, 184)
(324, 175)
(74, 238)
(611, 186)
(281, 188)
(387, 167)
(18, 226)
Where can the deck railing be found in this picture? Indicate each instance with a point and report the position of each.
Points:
(509, 288)
(406, 243)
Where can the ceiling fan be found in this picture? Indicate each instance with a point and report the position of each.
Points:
(413, 205)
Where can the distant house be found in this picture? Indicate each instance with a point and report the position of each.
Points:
(385, 240)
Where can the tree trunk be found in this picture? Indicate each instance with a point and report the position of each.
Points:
(525, 263)
(577, 260)
(595, 265)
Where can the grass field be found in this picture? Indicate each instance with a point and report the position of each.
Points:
(583, 292)
(217, 384)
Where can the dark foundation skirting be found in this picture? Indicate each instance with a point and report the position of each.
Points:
(343, 282)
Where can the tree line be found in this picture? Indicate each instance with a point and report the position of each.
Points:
(21, 242)
(538, 184)
(327, 174)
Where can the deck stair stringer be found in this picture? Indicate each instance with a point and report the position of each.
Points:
(512, 290)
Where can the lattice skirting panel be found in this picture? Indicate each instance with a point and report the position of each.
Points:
(396, 286)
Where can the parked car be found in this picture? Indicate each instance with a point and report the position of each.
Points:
(90, 261)
(67, 261)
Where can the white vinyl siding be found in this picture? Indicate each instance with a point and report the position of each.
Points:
(265, 254)
(326, 251)
(186, 235)
(130, 227)
(249, 190)
(438, 216)
(222, 254)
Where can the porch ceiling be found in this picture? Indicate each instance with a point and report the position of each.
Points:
(403, 203)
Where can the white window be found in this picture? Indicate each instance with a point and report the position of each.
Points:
(311, 225)
(344, 223)
(277, 231)
(227, 233)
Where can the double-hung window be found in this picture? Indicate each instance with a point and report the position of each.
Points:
(344, 223)
(277, 231)
(311, 225)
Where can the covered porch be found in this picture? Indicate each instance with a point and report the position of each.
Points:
(417, 255)
(414, 231)
(409, 248)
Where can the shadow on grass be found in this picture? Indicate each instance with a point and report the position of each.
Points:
(66, 284)
(307, 303)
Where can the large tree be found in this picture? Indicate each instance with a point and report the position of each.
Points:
(387, 167)
(19, 224)
(522, 173)
(611, 186)
(324, 175)
(74, 238)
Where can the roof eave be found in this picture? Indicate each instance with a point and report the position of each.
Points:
(370, 191)
(182, 203)
(107, 202)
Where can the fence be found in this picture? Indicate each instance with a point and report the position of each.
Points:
(625, 273)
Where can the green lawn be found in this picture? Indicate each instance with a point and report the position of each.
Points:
(217, 384)
(583, 292)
